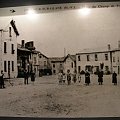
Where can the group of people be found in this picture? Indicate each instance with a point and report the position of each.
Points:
(27, 75)
(62, 77)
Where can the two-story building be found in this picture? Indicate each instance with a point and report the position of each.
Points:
(8, 50)
(44, 65)
(57, 64)
(23, 59)
(93, 60)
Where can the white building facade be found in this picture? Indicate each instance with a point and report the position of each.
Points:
(94, 61)
(8, 52)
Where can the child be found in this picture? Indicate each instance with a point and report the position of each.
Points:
(64, 78)
(60, 77)
(79, 78)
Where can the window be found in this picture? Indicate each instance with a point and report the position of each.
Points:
(12, 65)
(106, 56)
(113, 59)
(118, 59)
(12, 48)
(53, 65)
(88, 58)
(5, 66)
(45, 63)
(5, 47)
(72, 64)
(79, 58)
(106, 68)
(40, 56)
(89, 68)
(97, 68)
(10, 32)
(61, 65)
(54, 71)
(96, 57)
(79, 69)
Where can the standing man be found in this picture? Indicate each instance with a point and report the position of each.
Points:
(2, 80)
(100, 77)
(114, 78)
(26, 75)
(87, 78)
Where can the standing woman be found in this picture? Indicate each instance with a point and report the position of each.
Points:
(33, 76)
(114, 78)
(87, 78)
(100, 77)
(74, 77)
(68, 77)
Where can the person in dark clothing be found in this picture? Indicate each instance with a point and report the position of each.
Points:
(68, 77)
(2, 80)
(114, 78)
(26, 76)
(33, 76)
(87, 78)
(74, 77)
(100, 77)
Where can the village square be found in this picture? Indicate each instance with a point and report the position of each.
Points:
(49, 95)
(84, 81)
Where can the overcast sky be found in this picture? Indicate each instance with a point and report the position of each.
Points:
(52, 32)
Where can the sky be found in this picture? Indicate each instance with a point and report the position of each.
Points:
(70, 29)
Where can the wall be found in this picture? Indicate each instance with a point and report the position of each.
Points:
(101, 59)
(9, 56)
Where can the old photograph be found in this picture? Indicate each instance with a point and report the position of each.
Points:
(60, 60)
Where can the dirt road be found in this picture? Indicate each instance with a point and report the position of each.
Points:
(46, 98)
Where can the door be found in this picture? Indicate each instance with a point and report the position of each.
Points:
(8, 69)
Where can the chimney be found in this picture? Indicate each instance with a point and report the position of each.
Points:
(109, 48)
(118, 44)
(23, 43)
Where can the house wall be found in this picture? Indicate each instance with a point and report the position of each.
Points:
(8, 56)
(56, 67)
(35, 64)
(43, 62)
(69, 64)
(101, 59)
(116, 61)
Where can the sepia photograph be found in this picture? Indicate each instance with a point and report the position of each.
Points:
(60, 60)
